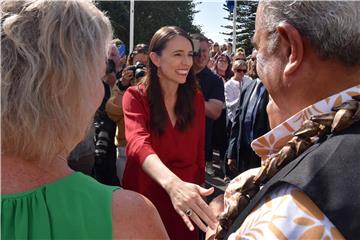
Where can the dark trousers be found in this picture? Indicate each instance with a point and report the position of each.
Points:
(220, 136)
(224, 166)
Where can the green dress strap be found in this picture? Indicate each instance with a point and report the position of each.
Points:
(74, 207)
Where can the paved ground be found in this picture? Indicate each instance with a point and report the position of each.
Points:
(217, 180)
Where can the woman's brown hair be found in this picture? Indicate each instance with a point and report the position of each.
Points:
(184, 107)
(138, 49)
(228, 71)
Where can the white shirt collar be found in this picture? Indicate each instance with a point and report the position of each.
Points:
(275, 139)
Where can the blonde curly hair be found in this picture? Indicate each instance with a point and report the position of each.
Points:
(50, 50)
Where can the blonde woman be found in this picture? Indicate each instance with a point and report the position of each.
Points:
(53, 57)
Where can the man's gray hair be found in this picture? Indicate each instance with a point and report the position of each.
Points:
(332, 27)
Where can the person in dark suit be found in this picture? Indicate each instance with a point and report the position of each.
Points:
(251, 121)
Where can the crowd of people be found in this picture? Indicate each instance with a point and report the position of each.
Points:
(98, 144)
(238, 115)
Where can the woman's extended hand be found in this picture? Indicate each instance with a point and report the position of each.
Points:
(187, 199)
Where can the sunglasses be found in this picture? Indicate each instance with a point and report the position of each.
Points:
(241, 70)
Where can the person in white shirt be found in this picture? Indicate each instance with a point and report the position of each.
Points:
(233, 88)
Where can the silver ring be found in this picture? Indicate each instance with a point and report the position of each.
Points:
(188, 212)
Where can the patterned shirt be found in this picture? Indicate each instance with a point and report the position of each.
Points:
(286, 212)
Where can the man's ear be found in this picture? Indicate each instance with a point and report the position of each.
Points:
(294, 44)
(155, 58)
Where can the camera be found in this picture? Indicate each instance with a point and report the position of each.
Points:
(138, 69)
(101, 140)
(110, 66)
(103, 137)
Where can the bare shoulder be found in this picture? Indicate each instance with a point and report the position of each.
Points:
(135, 217)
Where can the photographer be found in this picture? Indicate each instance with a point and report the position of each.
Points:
(136, 66)
(105, 150)
(113, 108)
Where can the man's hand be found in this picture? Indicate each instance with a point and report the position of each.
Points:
(213, 108)
(127, 76)
(217, 206)
(232, 165)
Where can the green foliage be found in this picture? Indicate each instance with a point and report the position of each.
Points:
(245, 24)
(149, 17)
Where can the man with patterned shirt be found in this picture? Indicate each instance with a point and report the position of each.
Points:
(309, 61)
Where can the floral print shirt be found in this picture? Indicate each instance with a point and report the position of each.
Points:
(286, 212)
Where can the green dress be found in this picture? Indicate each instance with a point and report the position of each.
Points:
(75, 207)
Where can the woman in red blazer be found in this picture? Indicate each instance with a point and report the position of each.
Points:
(164, 129)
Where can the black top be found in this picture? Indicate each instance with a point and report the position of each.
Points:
(328, 172)
(212, 87)
(211, 84)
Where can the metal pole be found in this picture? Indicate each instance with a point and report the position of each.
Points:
(234, 27)
(132, 12)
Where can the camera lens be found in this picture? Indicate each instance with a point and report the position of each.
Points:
(140, 72)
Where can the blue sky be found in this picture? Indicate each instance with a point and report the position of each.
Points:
(211, 17)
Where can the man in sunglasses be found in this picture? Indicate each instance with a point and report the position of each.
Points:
(249, 121)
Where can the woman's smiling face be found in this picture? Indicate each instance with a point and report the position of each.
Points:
(175, 60)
